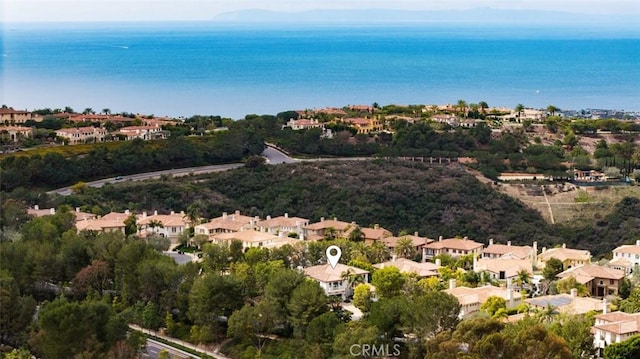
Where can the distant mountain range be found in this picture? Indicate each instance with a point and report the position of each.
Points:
(386, 16)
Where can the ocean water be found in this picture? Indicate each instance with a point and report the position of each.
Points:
(182, 69)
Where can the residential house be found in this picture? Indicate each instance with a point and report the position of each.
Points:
(471, 299)
(79, 215)
(15, 133)
(165, 225)
(303, 124)
(450, 120)
(143, 132)
(495, 250)
(569, 257)
(80, 135)
(615, 327)
(252, 238)
(284, 224)
(455, 247)
(364, 125)
(375, 234)
(417, 243)
(502, 268)
(9, 116)
(423, 270)
(626, 257)
(334, 281)
(226, 223)
(567, 303)
(111, 222)
(333, 227)
(600, 281)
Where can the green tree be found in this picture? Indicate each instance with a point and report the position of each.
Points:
(253, 324)
(576, 331)
(356, 235)
(632, 303)
(566, 284)
(493, 304)
(552, 268)
(519, 109)
(362, 297)
(307, 301)
(213, 296)
(388, 282)
(404, 248)
(356, 332)
(130, 225)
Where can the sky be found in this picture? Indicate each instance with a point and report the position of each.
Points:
(202, 10)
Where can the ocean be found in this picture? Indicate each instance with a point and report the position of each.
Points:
(183, 69)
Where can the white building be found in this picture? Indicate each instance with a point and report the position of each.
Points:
(626, 257)
(333, 280)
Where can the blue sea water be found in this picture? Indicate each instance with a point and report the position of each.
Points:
(182, 69)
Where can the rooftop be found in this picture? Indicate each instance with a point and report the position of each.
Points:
(325, 273)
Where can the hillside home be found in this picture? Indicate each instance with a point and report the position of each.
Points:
(15, 133)
(9, 116)
(303, 124)
(615, 327)
(502, 269)
(455, 247)
(569, 257)
(165, 225)
(335, 281)
(600, 281)
(318, 230)
(626, 257)
(417, 242)
(80, 135)
(423, 270)
(226, 223)
(567, 303)
(111, 222)
(364, 125)
(143, 132)
(471, 299)
(495, 250)
(375, 234)
(252, 238)
(284, 224)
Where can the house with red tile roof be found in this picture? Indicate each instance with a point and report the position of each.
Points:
(600, 281)
(9, 116)
(318, 230)
(626, 257)
(375, 234)
(284, 224)
(172, 225)
(615, 327)
(226, 223)
(142, 132)
(471, 299)
(422, 270)
(364, 125)
(417, 242)
(502, 269)
(111, 222)
(252, 238)
(496, 250)
(15, 133)
(303, 124)
(455, 247)
(80, 135)
(333, 280)
(569, 257)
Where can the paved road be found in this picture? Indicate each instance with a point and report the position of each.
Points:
(153, 348)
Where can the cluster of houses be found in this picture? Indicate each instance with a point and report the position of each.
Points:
(502, 263)
(12, 124)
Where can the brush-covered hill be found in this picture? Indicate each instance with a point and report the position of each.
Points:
(399, 196)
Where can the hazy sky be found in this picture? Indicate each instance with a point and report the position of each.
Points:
(179, 10)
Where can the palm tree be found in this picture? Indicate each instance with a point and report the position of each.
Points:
(352, 279)
(356, 235)
(519, 109)
(88, 110)
(377, 252)
(106, 111)
(462, 107)
(483, 106)
(552, 109)
(523, 277)
(154, 223)
(404, 248)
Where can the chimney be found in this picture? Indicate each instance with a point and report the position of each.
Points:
(574, 292)
(393, 258)
(564, 245)
(77, 209)
(452, 283)
(52, 210)
(36, 207)
(465, 238)
(604, 306)
(268, 218)
(182, 213)
(509, 243)
(224, 215)
(544, 249)
(438, 262)
(535, 247)
(475, 263)
(126, 211)
(490, 241)
(172, 213)
(376, 226)
(424, 254)
(144, 214)
(321, 219)
(155, 213)
(335, 218)
(237, 212)
(286, 215)
(637, 241)
(440, 239)
(416, 234)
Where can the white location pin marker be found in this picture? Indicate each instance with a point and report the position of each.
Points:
(333, 258)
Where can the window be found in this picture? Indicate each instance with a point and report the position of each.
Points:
(611, 281)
